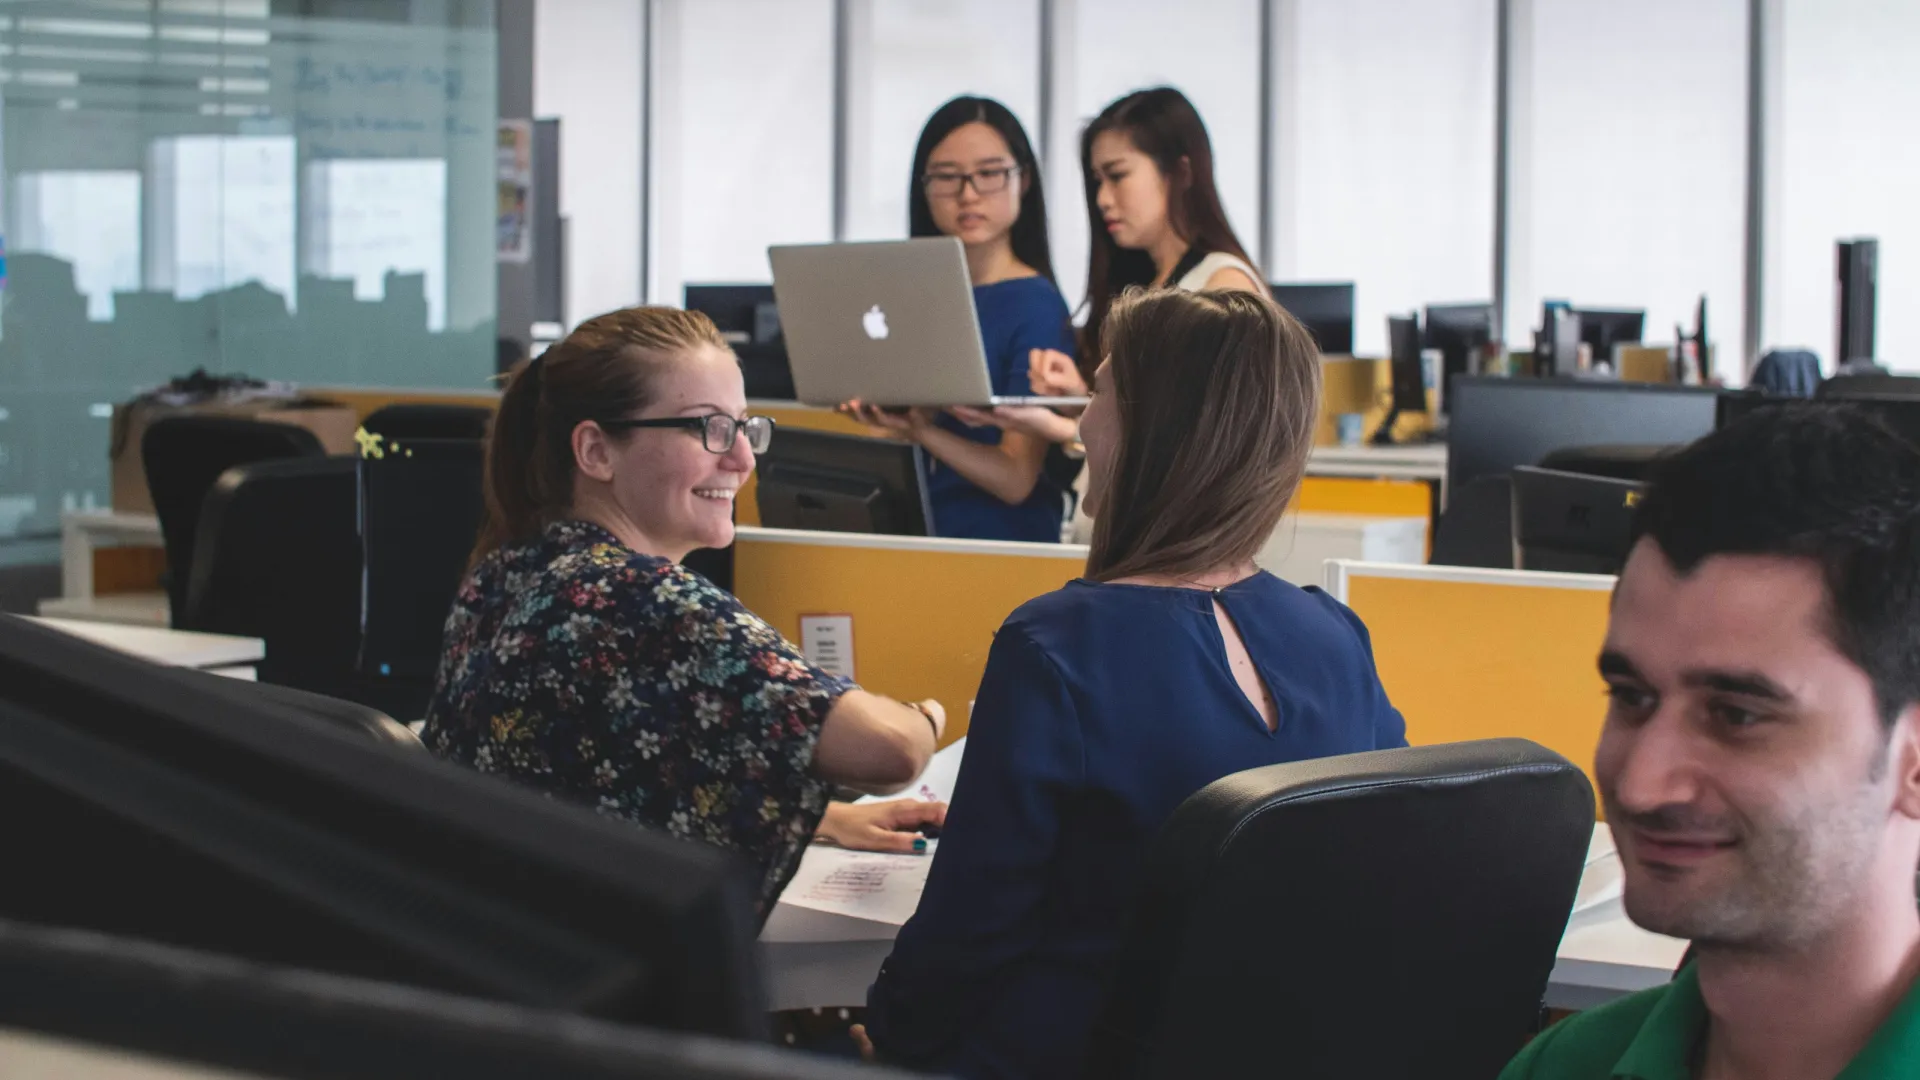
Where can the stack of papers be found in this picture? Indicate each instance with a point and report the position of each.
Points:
(1604, 877)
(868, 886)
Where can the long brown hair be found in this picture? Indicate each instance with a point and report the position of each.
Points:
(604, 370)
(1162, 124)
(1217, 394)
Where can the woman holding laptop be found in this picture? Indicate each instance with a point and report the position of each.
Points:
(975, 177)
(1157, 221)
(1174, 662)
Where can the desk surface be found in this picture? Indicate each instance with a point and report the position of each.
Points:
(815, 959)
(173, 648)
(1417, 461)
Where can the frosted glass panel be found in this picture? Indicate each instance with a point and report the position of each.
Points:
(1842, 163)
(908, 57)
(1630, 164)
(89, 219)
(1384, 169)
(230, 187)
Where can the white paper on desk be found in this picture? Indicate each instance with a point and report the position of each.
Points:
(936, 783)
(859, 884)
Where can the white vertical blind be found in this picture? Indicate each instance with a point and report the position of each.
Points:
(1384, 155)
(742, 153)
(1207, 49)
(907, 58)
(1843, 162)
(1628, 150)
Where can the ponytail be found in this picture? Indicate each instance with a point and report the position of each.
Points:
(602, 371)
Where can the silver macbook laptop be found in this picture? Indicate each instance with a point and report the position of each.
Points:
(890, 323)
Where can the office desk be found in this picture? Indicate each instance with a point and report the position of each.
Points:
(82, 532)
(1420, 461)
(818, 960)
(221, 654)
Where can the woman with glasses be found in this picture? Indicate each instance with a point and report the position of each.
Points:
(975, 178)
(582, 659)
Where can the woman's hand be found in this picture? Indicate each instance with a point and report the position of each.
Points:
(891, 826)
(1035, 420)
(1054, 374)
(906, 425)
(865, 1042)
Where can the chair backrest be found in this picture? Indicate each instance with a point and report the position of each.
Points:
(420, 512)
(349, 716)
(278, 558)
(184, 455)
(1284, 907)
(1634, 462)
(425, 421)
(1476, 528)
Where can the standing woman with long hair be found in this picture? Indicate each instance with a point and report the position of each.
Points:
(975, 178)
(1156, 221)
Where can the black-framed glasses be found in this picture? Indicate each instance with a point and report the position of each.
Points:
(717, 430)
(990, 181)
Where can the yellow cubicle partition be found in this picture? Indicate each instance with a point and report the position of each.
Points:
(1480, 654)
(924, 611)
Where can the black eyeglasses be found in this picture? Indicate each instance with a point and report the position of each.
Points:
(717, 430)
(986, 181)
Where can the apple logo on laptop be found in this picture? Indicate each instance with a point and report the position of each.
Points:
(874, 322)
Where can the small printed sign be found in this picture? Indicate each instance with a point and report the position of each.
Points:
(827, 643)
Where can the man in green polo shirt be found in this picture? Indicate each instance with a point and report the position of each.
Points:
(1760, 762)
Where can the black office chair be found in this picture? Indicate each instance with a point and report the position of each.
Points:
(1283, 908)
(278, 558)
(420, 513)
(429, 421)
(1476, 528)
(184, 455)
(349, 716)
(1621, 462)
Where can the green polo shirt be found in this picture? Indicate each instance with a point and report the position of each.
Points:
(1654, 1035)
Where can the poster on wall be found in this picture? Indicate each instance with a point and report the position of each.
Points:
(513, 224)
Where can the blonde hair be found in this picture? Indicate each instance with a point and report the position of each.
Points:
(1217, 394)
(604, 370)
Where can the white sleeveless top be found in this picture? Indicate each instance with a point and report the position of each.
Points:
(1196, 279)
(1081, 529)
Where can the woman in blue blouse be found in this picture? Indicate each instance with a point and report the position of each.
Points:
(1173, 663)
(975, 177)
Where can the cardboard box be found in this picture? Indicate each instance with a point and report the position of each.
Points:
(332, 423)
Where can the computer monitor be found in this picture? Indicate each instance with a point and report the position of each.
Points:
(1459, 331)
(1571, 522)
(1601, 330)
(77, 1003)
(1326, 310)
(750, 321)
(1499, 423)
(1407, 373)
(829, 482)
(193, 812)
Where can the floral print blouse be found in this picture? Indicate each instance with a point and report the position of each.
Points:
(635, 686)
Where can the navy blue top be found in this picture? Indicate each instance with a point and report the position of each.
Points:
(1016, 316)
(1103, 707)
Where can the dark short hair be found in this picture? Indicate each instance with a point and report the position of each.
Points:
(1830, 483)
